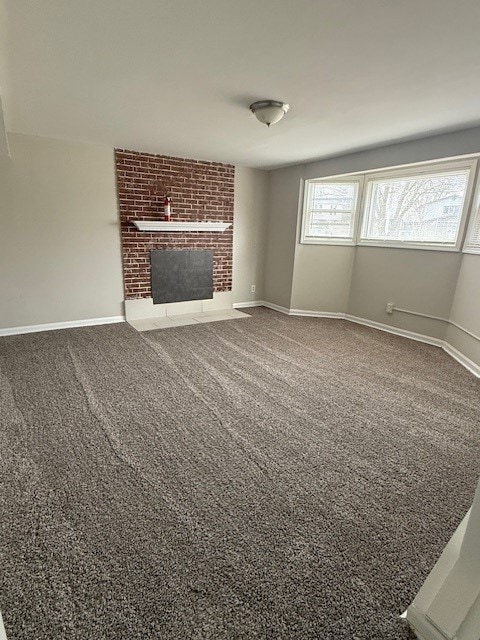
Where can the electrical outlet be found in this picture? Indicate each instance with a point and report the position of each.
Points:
(252, 288)
(389, 307)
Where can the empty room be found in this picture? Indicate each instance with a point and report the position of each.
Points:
(239, 320)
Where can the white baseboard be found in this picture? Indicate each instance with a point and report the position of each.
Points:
(419, 337)
(35, 328)
(261, 303)
(245, 305)
(423, 628)
(411, 335)
(275, 307)
(3, 635)
(306, 313)
(463, 360)
(289, 312)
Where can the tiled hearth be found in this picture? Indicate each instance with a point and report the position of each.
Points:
(167, 322)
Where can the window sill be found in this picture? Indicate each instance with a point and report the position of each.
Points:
(332, 242)
(410, 245)
(472, 252)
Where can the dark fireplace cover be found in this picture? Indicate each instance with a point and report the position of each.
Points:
(178, 276)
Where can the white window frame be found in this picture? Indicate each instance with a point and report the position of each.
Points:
(474, 215)
(331, 240)
(426, 169)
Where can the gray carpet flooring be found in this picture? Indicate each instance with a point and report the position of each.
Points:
(275, 478)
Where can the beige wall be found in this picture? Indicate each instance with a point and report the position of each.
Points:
(283, 207)
(466, 309)
(321, 280)
(416, 280)
(301, 276)
(59, 238)
(249, 233)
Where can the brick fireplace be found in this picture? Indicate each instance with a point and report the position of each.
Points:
(200, 192)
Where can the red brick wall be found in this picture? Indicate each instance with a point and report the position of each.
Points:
(199, 190)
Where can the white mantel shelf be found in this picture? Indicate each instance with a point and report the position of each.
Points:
(161, 225)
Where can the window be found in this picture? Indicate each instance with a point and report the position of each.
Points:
(421, 206)
(330, 211)
(418, 207)
(472, 243)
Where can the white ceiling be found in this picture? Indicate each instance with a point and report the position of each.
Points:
(176, 76)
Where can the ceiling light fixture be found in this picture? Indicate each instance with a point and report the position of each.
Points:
(269, 111)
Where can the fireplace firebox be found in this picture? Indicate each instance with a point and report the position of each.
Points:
(178, 276)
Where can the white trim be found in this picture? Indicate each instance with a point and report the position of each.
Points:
(468, 245)
(304, 313)
(245, 305)
(385, 244)
(276, 307)
(3, 633)
(473, 367)
(423, 628)
(431, 168)
(419, 337)
(34, 328)
(261, 303)
(167, 227)
(316, 314)
(412, 335)
(325, 240)
(404, 333)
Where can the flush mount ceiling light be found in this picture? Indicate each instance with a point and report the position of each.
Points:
(269, 111)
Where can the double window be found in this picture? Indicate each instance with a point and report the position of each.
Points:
(423, 207)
